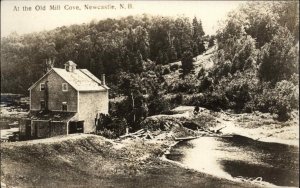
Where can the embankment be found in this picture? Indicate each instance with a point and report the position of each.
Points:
(83, 160)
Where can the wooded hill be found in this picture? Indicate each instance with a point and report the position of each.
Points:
(109, 46)
(255, 64)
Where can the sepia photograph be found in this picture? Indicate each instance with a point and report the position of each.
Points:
(149, 94)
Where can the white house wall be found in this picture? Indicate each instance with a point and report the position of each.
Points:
(91, 103)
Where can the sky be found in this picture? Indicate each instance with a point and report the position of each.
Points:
(32, 16)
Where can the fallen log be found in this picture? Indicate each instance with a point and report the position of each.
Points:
(185, 138)
(138, 132)
(133, 134)
(220, 136)
(219, 130)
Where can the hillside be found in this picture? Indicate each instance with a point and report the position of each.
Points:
(109, 46)
(204, 61)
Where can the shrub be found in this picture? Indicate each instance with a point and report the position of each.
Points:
(211, 41)
(111, 127)
(279, 100)
(157, 104)
(201, 73)
(238, 93)
(194, 100)
(177, 100)
(215, 101)
(189, 85)
(205, 83)
(107, 133)
(187, 63)
(174, 67)
(166, 70)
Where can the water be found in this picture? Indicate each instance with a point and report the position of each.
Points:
(240, 156)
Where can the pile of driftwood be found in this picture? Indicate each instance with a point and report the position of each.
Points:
(216, 131)
(144, 134)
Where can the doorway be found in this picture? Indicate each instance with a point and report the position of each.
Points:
(76, 127)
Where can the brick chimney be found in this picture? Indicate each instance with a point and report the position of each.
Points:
(46, 99)
(49, 64)
(103, 79)
(70, 66)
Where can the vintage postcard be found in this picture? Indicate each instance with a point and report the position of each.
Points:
(149, 93)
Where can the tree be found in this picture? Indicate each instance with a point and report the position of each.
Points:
(109, 46)
(198, 34)
(137, 66)
(278, 59)
(156, 102)
(187, 63)
(201, 47)
(211, 41)
(245, 54)
(133, 108)
(172, 54)
(200, 29)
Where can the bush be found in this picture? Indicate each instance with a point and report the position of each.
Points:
(201, 73)
(174, 67)
(111, 127)
(211, 41)
(157, 104)
(215, 101)
(280, 100)
(187, 63)
(107, 133)
(177, 100)
(238, 94)
(166, 70)
(189, 85)
(195, 100)
(205, 83)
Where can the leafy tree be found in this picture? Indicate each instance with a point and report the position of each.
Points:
(156, 103)
(245, 54)
(133, 108)
(187, 63)
(279, 58)
(211, 41)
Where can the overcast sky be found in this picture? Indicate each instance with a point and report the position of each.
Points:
(15, 19)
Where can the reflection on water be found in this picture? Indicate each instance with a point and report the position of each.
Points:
(240, 156)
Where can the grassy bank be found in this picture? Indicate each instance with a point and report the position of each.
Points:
(88, 160)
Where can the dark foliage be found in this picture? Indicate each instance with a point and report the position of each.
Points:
(187, 63)
(174, 67)
(111, 126)
(109, 46)
(157, 104)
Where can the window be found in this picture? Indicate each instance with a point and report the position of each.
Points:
(43, 105)
(42, 87)
(64, 87)
(64, 106)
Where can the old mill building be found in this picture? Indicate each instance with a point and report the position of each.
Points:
(65, 101)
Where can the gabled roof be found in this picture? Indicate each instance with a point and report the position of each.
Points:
(89, 74)
(70, 63)
(79, 79)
